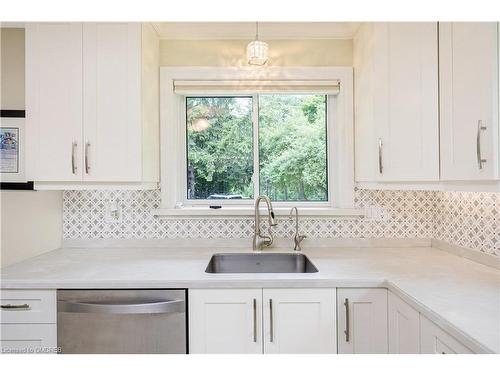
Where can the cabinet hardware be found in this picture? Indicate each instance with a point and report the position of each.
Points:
(254, 320)
(162, 307)
(87, 164)
(74, 168)
(480, 159)
(24, 306)
(380, 165)
(271, 324)
(346, 304)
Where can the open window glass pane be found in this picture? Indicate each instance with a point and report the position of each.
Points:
(219, 147)
(293, 147)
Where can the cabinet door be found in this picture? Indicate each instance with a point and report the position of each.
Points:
(433, 340)
(28, 306)
(54, 101)
(406, 101)
(225, 321)
(396, 102)
(362, 320)
(468, 57)
(28, 338)
(112, 100)
(299, 321)
(404, 327)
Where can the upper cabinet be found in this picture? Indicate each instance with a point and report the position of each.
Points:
(468, 58)
(396, 102)
(112, 101)
(92, 109)
(426, 105)
(54, 93)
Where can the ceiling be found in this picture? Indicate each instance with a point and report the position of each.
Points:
(246, 30)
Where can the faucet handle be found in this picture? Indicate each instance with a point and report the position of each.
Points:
(272, 219)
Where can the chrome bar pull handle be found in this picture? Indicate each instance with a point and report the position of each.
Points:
(480, 160)
(74, 168)
(87, 164)
(346, 331)
(380, 165)
(271, 324)
(141, 307)
(254, 320)
(8, 306)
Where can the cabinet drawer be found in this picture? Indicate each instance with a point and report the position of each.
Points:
(28, 306)
(28, 338)
(433, 340)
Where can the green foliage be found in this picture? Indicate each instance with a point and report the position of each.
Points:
(292, 138)
(221, 154)
(292, 146)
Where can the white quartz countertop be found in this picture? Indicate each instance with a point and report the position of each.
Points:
(459, 295)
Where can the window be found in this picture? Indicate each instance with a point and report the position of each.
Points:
(293, 147)
(231, 134)
(219, 145)
(291, 155)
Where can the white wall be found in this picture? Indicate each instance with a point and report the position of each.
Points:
(31, 222)
(12, 71)
(283, 52)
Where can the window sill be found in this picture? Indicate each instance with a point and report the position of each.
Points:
(249, 211)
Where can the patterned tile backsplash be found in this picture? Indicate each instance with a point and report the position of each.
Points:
(467, 219)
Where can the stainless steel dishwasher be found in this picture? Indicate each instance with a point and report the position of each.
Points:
(122, 321)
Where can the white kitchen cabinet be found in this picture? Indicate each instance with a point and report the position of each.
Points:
(28, 339)
(92, 104)
(27, 306)
(112, 101)
(362, 320)
(225, 321)
(433, 340)
(468, 67)
(396, 102)
(231, 321)
(54, 101)
(404, 327)
(299, 321)
(28, 321)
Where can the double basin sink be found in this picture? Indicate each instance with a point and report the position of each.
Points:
(260, 263)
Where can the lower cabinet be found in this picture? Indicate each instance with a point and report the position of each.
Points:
(28, 338)
(28, 321)
(262, 321)
(433, 340)
(362, 320)
(404, 327)
(299, 321)
(225, 321)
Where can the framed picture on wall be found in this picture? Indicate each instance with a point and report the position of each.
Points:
(12, 168)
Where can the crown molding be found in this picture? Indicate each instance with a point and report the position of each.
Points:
(246, 30)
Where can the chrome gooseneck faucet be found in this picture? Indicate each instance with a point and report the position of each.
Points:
(297, 238)
(259, 240)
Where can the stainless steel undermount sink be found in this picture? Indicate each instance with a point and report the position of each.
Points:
(260, 263)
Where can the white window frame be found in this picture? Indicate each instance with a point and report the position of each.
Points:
(173, 146)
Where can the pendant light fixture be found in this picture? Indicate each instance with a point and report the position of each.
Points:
(257, 49)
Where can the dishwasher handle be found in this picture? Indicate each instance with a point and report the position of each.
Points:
(162, 307)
